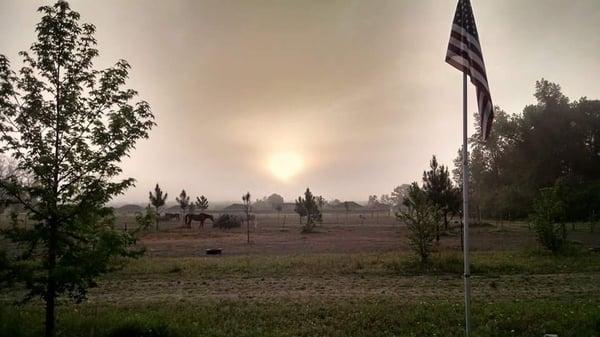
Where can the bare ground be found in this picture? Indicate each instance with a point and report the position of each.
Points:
(381, 234)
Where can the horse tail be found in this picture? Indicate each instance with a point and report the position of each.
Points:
(188, 219)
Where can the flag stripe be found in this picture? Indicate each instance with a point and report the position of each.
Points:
(465, 54)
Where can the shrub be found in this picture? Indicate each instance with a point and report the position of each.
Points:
(227, 221)
(422, 221)
(547, 217)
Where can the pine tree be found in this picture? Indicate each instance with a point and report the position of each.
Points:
(157, 200)
(438, 187)
(308, 207)
(202, 203)
(184, 201)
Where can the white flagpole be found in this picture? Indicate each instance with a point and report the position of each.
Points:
(467, 275)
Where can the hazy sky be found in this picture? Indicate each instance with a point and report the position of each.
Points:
(348, 97)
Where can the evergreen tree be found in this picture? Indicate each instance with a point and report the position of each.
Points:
(157, 200)
(202, 203)
(66, 126)
(421, 219)
(183, 200)
(439, 189)
(308, 207)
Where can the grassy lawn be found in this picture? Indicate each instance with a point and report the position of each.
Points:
(514, 294)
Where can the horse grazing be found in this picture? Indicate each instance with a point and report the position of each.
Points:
(198, 217)
(170, 216)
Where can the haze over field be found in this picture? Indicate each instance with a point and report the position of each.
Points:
(347, 97)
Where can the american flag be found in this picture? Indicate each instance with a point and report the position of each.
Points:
(464, 53)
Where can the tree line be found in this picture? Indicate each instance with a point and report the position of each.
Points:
(554, 143)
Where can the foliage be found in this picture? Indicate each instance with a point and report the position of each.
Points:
(157, 200)
(66, 126)
(550, 141)
(202, 203)
(547, 219)
(227, 221)
(147, 218)
(308, 207)
(440, 191)
(421, 219)
(183, 200)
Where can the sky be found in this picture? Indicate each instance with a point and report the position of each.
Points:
(349, 98)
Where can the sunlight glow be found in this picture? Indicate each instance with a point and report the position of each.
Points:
(285, 165)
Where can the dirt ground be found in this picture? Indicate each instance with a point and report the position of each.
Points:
(366, 234)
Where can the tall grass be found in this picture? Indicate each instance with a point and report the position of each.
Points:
(377, 317)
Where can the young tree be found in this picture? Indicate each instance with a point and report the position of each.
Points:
(247, 209)
(67, 127)
(548, 217)
(421, 218)
(157, 200)
(309, 207)
(438, 187)
(184, 201)
(300, 208)
(202, 203)
(398, 195)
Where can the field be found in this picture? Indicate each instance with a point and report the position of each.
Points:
(354, 276)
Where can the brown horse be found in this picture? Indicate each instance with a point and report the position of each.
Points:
(198, 217)
(171, 216)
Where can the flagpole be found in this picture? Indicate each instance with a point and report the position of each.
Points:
(465, 155)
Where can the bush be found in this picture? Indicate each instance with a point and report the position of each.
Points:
(547, 219)
(227, 221)
(422, 221)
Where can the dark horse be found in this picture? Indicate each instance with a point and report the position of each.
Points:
(198, 217)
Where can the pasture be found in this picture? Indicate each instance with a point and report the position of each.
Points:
(354, 276)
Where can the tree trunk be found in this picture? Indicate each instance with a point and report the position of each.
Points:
(445, 220)
(50, 296)
(247, 228)
(50, 305)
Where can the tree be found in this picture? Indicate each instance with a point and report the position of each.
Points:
(202, 203)
(396, 199)
(157, 200)
(548, 219)
(421, 218)
(549, 141)
(184, 201)
(372, 201)
(247, 209)
(67, 127)
(439, 189)
(308, 207)
(191, 208)
(276, 202)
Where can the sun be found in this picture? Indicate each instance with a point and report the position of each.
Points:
(285, 165)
